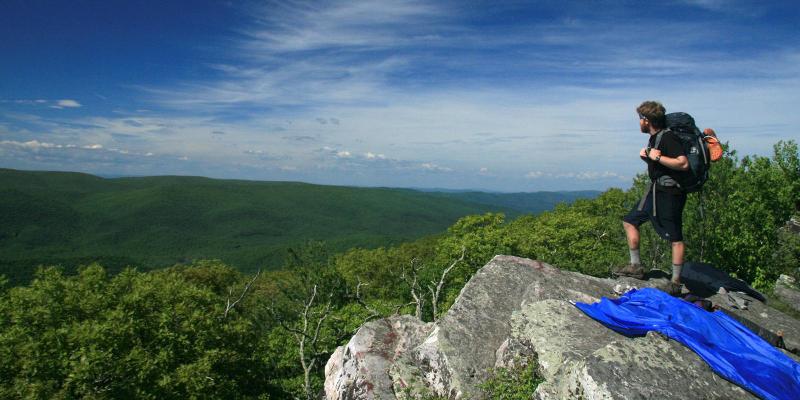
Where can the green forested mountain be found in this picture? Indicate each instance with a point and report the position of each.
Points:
(72, 218)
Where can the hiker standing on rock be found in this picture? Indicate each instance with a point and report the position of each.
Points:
(663, 203)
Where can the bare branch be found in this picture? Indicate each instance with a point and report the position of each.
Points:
(277, 317)
(324, 314)
(373, 313)
(434, 301)
(306, 338)
(436, 293)
(413, 283)
(230, 305)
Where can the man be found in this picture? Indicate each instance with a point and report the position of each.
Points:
(664, 201)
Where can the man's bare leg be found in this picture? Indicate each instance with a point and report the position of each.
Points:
(632, 233)
(678, 249)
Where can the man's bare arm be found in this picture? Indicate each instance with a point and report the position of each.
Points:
(680, 163)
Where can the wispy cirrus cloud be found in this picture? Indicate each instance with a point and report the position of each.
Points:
(57, 104)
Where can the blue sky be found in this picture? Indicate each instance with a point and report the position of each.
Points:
(506, 96)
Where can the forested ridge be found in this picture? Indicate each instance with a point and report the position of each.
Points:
(206, 330)
(71, 219)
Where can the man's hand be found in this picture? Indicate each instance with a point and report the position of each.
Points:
(643, 153)
(654, 153)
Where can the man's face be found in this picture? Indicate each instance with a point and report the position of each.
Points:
(644, 125)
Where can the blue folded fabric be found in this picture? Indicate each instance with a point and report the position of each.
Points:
(733, 351)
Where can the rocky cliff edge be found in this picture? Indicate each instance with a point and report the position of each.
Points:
(516, 310)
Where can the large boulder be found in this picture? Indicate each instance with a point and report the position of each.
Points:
(787, 290)
(518, 310)
(360, 370)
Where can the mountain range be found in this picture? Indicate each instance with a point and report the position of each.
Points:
(70, 219)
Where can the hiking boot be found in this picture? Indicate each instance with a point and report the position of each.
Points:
(630, 270)
(674, 289)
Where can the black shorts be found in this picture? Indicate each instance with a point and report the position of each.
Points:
(668, 222)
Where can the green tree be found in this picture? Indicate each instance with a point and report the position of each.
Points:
(302, 304)
(743, 206)
(136, 335)
(481, 237)
(585, 236)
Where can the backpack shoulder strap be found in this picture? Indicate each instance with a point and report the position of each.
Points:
(659, 136)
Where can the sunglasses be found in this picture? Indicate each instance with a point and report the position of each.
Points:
(643, 117)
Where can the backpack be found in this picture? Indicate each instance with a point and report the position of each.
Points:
(696, 149)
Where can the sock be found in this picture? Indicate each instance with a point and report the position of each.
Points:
(635, 256)
(676, 272)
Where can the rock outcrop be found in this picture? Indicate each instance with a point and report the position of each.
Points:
(787, 290)
(518, 310)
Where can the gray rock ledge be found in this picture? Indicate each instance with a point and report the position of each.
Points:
(515, 309)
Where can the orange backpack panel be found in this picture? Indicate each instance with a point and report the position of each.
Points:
(714, 146)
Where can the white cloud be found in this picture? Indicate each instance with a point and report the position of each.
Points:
(485, 172)
(591, 175)
(36, 145)
(583, 176)
(25, 101)
(296, 27)
(714, 5)
(535, 174)
(343, 154)
(68, 103)
(63, 103)
(33, 145)
(435, 168)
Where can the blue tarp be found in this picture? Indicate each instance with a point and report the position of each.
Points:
(733, 351)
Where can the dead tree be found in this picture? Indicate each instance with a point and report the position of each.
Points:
(416, 289)
(435, 293)
(308, 336)
(373, 313)
(230, 305)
